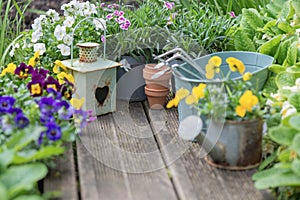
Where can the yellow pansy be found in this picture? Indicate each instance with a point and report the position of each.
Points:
(62, 75)
(77, 103)
(53, 86)
(58, 65)
(235, 64)
(197, 93)
(215, 60)
(247, 101)
(247, 76)
(180, 94)
(33, 60)
(36, 89)
(11, 67)
(213, 66)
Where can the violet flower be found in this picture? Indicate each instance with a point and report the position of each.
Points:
(47, 105)
(23, 70)
(35, 87)
(21, 121)
(53, 131)
(51, 82)
(6, 104)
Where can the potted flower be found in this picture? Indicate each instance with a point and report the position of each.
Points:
(232, 112)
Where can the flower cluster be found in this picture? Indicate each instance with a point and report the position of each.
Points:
(38, 99)
(116, 14)
(52, 34)
(235, 97)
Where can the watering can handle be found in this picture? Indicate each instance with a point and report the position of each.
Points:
(72, 36)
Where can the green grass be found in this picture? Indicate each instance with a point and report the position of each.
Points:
(10, 27)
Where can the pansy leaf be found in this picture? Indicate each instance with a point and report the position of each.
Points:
(296, 166)
(294, 99)
(33, 155)
(295, 145)
(22, 177)
(23, 138)
(277, 180)
(29, 197)
(282, 135)
(3, 192)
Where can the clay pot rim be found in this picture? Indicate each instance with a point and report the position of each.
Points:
(152, 65)
(156, 90)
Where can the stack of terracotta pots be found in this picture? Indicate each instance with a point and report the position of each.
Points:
(157, 88)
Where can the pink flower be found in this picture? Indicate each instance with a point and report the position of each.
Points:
(121, 19)
(110, 6)
(103, 39)
(169, 5)
(109, 16)
(102, 5)
(232, 14)
(118, 13)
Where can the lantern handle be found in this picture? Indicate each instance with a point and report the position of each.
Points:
(72, 36)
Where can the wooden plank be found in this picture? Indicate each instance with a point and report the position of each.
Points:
(112, 156)
(63, 177)
(192, 176)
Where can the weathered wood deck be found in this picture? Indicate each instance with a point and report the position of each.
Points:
(100, 164)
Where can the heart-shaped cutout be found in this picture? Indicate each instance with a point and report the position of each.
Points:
(101, 94)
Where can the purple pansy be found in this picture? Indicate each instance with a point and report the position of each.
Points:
(6, 104)
(51, 82)
(66, 111)
(21, 120)
(23, 70)
(47, 105)
(42, 72)
(35, 87)
(53, 131)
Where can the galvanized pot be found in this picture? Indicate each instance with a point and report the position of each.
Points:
(239, 146)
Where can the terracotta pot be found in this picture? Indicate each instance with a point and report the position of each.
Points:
(161, 82)
(156, 97)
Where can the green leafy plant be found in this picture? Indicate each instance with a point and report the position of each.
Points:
(11, 26)
(275, 33)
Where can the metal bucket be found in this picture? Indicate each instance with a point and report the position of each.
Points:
(239, 146)
(255, 63)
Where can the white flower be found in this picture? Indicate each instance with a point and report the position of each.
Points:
(287, 109)
(52, 13)
(12, 52)
(64, 49)
(68, 39)
(60, 32)
(36, 35)
(99, 23)
(93, 8)
(69, 21)
(39, 47)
